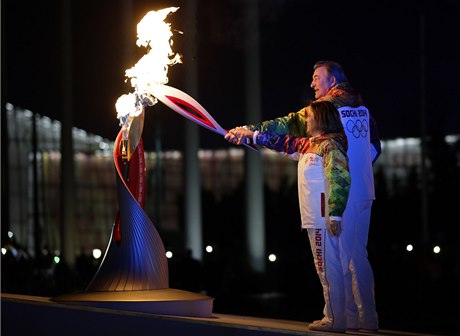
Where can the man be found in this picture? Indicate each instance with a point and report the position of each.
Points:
(330, 84)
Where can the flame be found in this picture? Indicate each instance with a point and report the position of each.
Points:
(155, 34)
(127, 105)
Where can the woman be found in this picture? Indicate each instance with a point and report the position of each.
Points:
(323, 186)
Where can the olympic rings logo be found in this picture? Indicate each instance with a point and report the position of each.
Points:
(358, 128)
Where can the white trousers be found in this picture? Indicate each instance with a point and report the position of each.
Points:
(326, 256)
(357, 272)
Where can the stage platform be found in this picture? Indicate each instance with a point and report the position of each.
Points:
(33, 315)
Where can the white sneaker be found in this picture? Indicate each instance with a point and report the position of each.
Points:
(325, 325)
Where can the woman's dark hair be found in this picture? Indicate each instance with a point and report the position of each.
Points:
(327, 117)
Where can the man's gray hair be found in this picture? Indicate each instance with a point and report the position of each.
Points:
(333, 68)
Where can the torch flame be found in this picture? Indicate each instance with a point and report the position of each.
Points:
(156, 35)
(152, 68)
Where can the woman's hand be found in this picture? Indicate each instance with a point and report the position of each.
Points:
(238, 135)
(334, 227)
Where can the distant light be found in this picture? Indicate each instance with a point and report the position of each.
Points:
(97, 253)
(57, 260)
(10, 234)
(169, 254)
(3, 250)
(451, 139)
(79, 132)
(209, 248)
(28, 113)
(409, 247)
(103, 145)
(272, 257)
(412, 141)
(399, 142)
(46, 122)
(436, 249)
(174, 155)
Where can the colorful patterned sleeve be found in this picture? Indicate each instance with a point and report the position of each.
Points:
(336, 170)
(293, 124)
(283, 143)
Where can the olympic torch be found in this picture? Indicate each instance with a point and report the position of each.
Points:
(189, 108)
(133, 274)
(148, 78)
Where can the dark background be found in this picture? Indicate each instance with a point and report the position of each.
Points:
(387, 53)
(378, 44)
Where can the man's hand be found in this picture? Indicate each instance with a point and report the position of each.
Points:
(238, 135)
(334, 227)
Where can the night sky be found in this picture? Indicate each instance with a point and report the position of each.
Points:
(378, 44)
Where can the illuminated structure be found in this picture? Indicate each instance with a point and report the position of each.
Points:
(134, 272)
